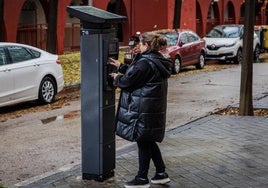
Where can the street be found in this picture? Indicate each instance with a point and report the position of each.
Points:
(42, 141)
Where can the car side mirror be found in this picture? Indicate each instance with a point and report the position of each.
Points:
(181, 43)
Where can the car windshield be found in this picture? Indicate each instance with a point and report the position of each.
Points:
(172, 38)
(224, 32)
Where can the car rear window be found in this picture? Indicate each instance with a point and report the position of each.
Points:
(192, 37)
(19, 54)
(2, 57)
(36, 54)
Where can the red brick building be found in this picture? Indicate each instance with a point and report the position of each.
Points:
(24, 21)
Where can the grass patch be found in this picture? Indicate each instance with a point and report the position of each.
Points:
(72, 67)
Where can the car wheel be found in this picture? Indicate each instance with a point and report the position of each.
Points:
(201, 63)
(256, 53)
(238, 57)
(47, 90)
(177, 65)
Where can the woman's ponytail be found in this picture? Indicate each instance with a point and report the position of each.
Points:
(155, 41)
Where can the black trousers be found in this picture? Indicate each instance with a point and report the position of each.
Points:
(148, 151)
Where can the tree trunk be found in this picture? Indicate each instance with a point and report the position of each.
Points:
(52, 27)
(246, 106)
(1, 20)
(177, 14)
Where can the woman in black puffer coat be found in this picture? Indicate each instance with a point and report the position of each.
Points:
(141, 113)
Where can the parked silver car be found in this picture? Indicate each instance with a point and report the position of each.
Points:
(28, 73)
(225, 42)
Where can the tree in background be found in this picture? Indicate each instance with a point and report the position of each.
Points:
(115, 6)
(258, 5)
(177, 14)
(1, 20)
(52, 27)
(245, 105)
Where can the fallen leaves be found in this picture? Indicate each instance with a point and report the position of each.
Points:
(233, 111)
(71, 65)
(71, 68)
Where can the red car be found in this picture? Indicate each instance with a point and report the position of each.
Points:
(185, 48)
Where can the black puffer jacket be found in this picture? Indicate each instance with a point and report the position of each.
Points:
(143, 99)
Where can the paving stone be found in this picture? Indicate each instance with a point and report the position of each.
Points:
(214, 151)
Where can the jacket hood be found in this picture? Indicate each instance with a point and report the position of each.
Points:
(163, 64)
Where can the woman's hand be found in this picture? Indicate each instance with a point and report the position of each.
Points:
(114, 62)
(113, 75)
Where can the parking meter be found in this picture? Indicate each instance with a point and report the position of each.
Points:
(97, 44)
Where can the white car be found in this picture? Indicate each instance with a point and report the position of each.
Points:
(28, 73)
(225, 42)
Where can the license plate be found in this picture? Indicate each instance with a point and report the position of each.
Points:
(128, 56)
(131, 43)
(212, 53)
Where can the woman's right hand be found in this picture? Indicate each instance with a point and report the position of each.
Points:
(114, 62)
(113, 75)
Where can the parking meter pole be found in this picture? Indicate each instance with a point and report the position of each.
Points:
(97, 44)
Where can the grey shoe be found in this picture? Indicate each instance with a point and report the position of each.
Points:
(160, 178)
(138, 182)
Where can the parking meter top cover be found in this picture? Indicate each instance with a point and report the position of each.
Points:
(92, 14)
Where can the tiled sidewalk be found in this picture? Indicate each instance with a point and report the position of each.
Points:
(215, 151)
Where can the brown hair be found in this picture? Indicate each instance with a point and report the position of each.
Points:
(155, 41)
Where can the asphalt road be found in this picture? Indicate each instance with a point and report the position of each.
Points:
(42, 141)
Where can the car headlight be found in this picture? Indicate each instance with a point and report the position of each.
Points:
(166, 56)
(230, 45)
